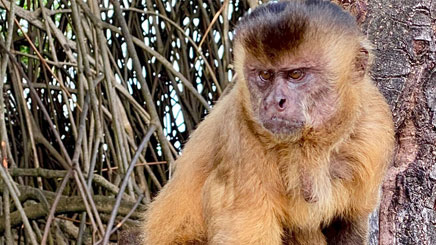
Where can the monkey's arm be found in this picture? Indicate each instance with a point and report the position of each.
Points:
(175, 216)
(240, 214)
(368, 153)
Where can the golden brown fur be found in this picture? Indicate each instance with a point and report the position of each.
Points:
(238, 183)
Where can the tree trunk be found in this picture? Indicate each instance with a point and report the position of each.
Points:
(403, 34)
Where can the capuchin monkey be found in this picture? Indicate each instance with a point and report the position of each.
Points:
(296, 152)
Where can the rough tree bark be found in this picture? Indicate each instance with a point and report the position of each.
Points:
(403, 34)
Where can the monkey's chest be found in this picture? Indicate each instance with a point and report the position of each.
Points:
(313, 198)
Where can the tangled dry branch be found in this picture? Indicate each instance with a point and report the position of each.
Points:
(84, 83)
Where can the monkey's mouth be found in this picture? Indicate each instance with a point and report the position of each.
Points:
(279, 125)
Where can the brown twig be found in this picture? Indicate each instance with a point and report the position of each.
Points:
(124, 184)
(215, 18)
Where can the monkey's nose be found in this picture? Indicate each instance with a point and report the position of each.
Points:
(281, 104)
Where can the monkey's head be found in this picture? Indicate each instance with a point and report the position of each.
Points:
(300, 61)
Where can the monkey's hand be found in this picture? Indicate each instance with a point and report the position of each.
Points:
(347, 232)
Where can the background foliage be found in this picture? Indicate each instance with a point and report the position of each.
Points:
(84, 83)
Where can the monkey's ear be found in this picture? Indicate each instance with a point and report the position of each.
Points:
(362, 62)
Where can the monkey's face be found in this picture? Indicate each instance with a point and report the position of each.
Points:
(297, 65)
(291, 95)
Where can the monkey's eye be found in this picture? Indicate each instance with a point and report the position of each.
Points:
(296, 74)
(265, 75)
